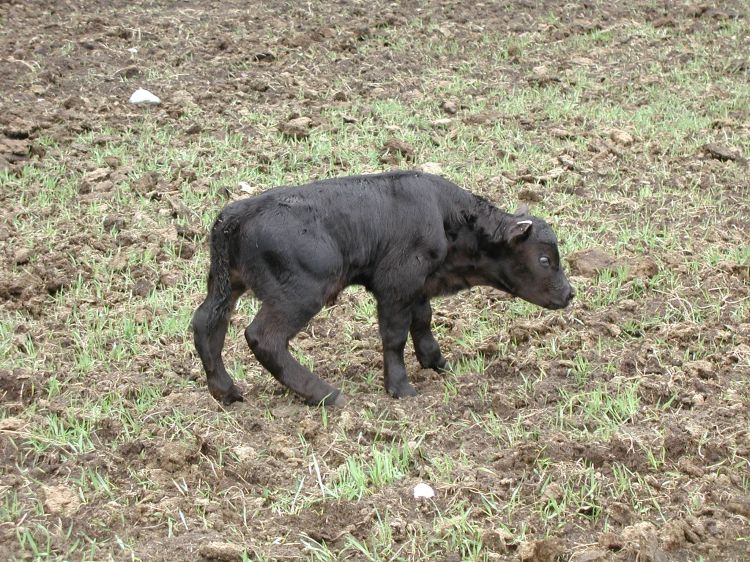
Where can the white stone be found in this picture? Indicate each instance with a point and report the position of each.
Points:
(144, 96)
(423, 490)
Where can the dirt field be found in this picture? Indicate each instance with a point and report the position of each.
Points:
(618, 429)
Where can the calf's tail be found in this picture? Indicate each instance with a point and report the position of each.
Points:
(219, 286)
(211, 318)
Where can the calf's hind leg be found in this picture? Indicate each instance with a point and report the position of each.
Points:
(268, 336)
(209, 331)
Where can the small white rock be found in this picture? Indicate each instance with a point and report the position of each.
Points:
(133, 50)
(144, 96)
(423, 490)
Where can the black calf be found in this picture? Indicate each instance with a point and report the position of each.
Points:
(405, 236)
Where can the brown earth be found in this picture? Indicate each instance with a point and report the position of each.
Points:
(66, 71)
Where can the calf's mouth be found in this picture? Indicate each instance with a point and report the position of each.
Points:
(556, 304)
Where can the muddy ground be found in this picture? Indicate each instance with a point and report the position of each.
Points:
(615, 430)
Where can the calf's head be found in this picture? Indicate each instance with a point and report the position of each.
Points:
(523, 260)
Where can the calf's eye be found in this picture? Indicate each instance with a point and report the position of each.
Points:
(544, 260)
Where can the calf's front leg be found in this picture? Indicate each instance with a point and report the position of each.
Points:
(394, 320)
(425, 344)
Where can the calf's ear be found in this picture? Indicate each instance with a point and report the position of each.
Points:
(522, 211)
(519, 231)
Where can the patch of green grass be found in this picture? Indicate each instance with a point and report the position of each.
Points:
(380, 545)
(582, 370)
(465, 365)
(600, 411)
(507, 433)
(459, 532)
(628, 486)
(67, 432)
(358, 477)
(577, 495)
(11, 508)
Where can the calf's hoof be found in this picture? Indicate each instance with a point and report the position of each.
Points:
(402, 390)
(441, 365)
(438, 364)
(231, 396)
(234, 395)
